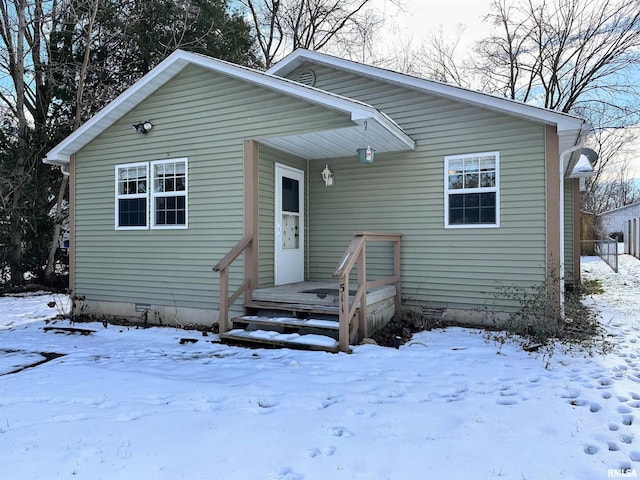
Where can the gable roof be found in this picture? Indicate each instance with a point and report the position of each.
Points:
(572, 130)
(394, 138)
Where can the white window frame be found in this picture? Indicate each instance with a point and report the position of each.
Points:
(151, 195)
(118, 197)
(495, 189)
(154, 194)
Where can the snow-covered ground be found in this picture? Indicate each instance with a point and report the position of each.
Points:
(124, 403)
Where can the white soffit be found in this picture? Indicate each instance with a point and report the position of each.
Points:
(342, 142)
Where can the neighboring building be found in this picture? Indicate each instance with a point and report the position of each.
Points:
(615, 221)
(480, 187)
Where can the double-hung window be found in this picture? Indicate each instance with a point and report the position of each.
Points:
(472, 195)
(152, 195)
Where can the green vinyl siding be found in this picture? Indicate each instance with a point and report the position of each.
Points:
(404, 192)
(568, 231)
(202, 116)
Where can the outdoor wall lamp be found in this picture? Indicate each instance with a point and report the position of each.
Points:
(327, 176)
(143, 127)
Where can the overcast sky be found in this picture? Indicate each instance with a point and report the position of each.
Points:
(421, 16)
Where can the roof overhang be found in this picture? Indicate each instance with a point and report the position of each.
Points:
(571, 129)
(333, 142)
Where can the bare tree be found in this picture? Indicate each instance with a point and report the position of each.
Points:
(439, 58)
(566, 55)
(25, 94)
(612, 185)
(281, 26)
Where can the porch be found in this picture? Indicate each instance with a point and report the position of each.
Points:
(327, 315)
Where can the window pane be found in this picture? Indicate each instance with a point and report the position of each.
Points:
(488, 179)
(488, 199)
(455, 182)
(132, 212)
(455, 216)
(168, 185)
(471, 215)
(487, 163)
(290, 195)
(471, 180)
(488, 215)
(471, 200)
(456, 201)
(471, 164)
(456, 166)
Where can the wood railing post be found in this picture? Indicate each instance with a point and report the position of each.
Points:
(246, 244)
(223, 316)
(397, 272)
(362, 283)
(343, 331)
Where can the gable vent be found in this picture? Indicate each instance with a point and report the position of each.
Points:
(307, 77)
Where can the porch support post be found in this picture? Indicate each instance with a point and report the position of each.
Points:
(251, 215)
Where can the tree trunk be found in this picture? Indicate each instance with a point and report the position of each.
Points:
(57, 229)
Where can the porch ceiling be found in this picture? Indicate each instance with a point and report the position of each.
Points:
(382, 135)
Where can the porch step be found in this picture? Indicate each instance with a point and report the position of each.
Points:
(287, 340)
(285, 322)
(294, 308)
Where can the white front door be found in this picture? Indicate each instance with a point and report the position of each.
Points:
(289, 225)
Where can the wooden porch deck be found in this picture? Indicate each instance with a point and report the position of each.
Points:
(316, 293)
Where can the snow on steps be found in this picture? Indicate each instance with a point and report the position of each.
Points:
(273, 338)
(288, 322)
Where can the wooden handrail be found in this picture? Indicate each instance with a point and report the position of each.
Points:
(356, 253)
(233, 253)
(223, 267)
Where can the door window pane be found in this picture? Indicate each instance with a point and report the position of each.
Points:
(290, 232)
(290, 195)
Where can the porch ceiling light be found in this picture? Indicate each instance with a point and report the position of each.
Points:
(143, 127)
(365, 154)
